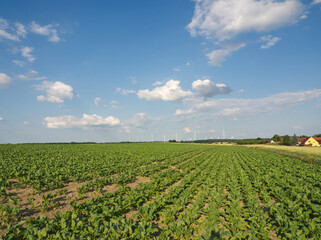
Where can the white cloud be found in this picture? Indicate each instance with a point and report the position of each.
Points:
(12, 31)
(171, 91)
(269, 41)
(4, 34)
(97, 101)
(55, 91)
(187, 64)
(3, 23)
(47, 30)
(232, 107)
(25, 123)
(20, 30)
(19, 63)
(1, 119)
(221, 20)
(206, 88)
(114, 104)
(224, 19)
(32, 75)
(157, 83)
(69, 121)
(216, 57)
(187, 130)
(139, 120)
(124, 91)
(241, 91)
(177, 69)
(26, 52)
(5, 80)
(298, 127)
(316, 2)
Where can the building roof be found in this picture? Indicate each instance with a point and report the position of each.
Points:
(318, 139)
(303, 140)
(300, 140)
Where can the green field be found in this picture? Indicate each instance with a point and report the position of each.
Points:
(156, 190)
(307, 154)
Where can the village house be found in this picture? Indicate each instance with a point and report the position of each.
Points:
(310, 141)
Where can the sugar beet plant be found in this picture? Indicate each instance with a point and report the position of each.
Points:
(193, 192)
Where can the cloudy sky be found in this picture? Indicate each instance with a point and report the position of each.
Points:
(153, 70)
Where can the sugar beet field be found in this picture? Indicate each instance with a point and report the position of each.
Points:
(156, 190)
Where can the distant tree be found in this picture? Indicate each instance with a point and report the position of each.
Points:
(302, 136)
(294, 140)
(317, 135)
(286, 140)
(276, 138)
(172, 140)
(258, 138)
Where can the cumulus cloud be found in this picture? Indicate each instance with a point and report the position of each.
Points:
(97, 101)
(32, 75)
(56, 92)
(187, 130)
(171, 91)
(232, 107)
(224, 19)
(206, 88)
(221, 20)
(124, 91)
(5, 80)
(216, 57)
(269, 41)
(87, 120)
(47, 30)
(1, 119)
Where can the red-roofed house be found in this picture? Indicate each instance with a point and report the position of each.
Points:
(310, 141)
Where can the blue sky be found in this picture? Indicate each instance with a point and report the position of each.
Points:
(142, 70)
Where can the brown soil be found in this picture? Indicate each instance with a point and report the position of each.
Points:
(273, 235)
(138, 180)
(130, 214)
(58, 203)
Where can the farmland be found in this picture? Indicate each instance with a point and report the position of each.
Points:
(156, 190)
